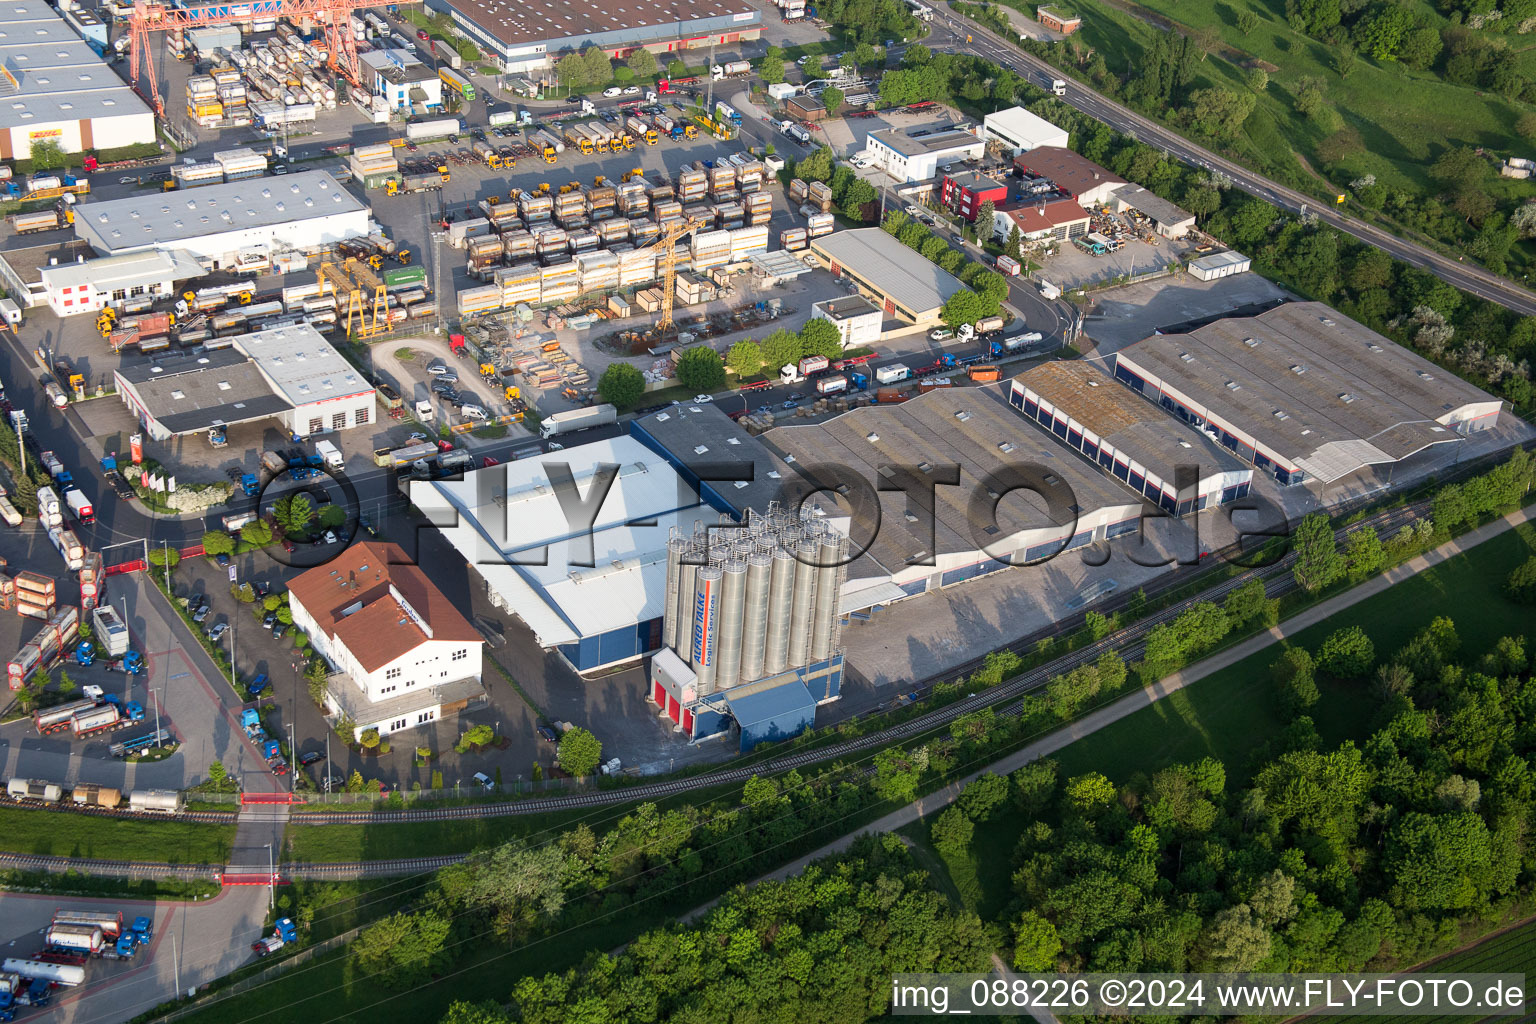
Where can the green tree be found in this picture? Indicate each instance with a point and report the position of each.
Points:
(217, 542)
(164, 557)
(1381, 32)
(571, 71)
(621, 385)
(25, 495)
(355, 783)
(952, 832)
(642, 62)
(1247, 21)
(832, 99)
(780, 349)
(579, 752)
(1450, 508)
(48, 156)
(218, 775)
(1347, 653)
(1318, 562)
(820, 338)
(1220, 113)
(1036, 943)
(1520, 584)
(369, 738)
(257, 534)
(745, 359)
(1257, 79)
(1014, 246)
(771, 68)
(701, 369)
(294, 513)
(897, 773)
(817, 166)
(66, 684)
(486, 1012)
(599, 67)
(860, 196)
(677, 69)
(1294, 681)
(1439, 862)
(1090, 792)
(963, 307)
(403, 949)
(986, 215)
(332, 516)
(1419, 49)
(1363, 553)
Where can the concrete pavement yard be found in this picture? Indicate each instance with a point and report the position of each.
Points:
(1123, 316)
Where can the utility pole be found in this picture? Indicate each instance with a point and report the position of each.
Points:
(271, 880)
(165, 548)
(176, 964)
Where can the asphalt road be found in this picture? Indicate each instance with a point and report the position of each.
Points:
(951, 34)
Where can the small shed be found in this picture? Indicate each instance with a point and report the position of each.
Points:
(1219, 264)
(806, 108)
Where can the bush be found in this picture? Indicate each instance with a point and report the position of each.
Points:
(370, 738)
(580, 752)
(1520, 585)
(1347, 653)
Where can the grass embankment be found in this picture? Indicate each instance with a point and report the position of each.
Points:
(391, 841)
(1232, 714)
(93, 837)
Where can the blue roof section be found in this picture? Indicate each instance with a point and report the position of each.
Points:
(776, 714)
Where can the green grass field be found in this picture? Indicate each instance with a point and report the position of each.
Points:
(61, 834)
(1232, 714)
(388, 841)
(1406, 119)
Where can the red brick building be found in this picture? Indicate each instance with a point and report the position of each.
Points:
(1058, 19)
(965, 191)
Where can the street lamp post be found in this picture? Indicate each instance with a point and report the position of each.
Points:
(154, 692)
(271, 879)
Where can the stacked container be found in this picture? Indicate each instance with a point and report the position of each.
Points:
(613, 231)
(798, 191)
(748, 242)
(819, 224)
(749, 175)
(599, 271)
(521, 283)
(36, 595)
(691, 186)
(479, 300)
(793, 239)
(374, 165)
(559, 283)
(710, 249)
(637, 266)
(7, 593)
(821, 196)
(601, 200)
(203, 106)
(666, 210)
(193, 175)
(759, 208)
(536, 207)
(518, 245)
(632, 199)
(241, 163)
(729, 215)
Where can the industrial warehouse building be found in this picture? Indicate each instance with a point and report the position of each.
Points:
(402, 655)
(1017, 131)
(403, 81)
(532, 37)
(923, 540)
(1081, 178)
(88, 286)
(291, 374)
(1170, 221)
(597, 601)
(1302, 391)
(1059, 219)
(919, 157)
(54, 88)
(217, 224)
(900, 281)
(1172, 465)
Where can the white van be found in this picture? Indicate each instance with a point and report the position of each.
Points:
(473, 412)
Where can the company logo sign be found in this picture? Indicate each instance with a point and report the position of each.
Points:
(703, 615)
(44, 134)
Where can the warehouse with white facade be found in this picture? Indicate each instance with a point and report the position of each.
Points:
(54, 88)
(1017, 131)
(291, 374)
(88, 286)
(1304, 392)
(857, 319)
(904, 285)
(217, 224)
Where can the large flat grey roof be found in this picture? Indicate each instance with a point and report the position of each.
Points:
(1303, 376)
(890, 267)
(936, 142)
(544, 20)
(966, 426)
(683, 430)
(59, 77)
(172, 217)
(196, 391)
(1131, 425)
(1152, 204)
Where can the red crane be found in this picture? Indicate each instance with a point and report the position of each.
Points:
(334, 15)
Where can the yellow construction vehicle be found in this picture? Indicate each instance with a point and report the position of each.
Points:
(597, 182)
(493, 200)
(403, 257)
(105, 321)
(636, 173)
(245, 298)
(543, 188)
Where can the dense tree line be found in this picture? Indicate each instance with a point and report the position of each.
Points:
(1330, 860)
(820, 947)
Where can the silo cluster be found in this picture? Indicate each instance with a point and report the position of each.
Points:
(746, 603)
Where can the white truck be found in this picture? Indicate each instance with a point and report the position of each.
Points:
(424, 411)
(578, 419)
(795, 132)
(730, 69)
(1058, 87)
(893, 373)
(330, 453)
(79, 505)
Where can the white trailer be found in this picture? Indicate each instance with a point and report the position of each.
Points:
(111, 631)
(578, 419)
(330, 453)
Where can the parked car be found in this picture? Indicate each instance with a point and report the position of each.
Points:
(313, 757)
(481, 777)
(547, 734)
(631, 90)
(223, 561)
(217, 630)
(278, 631)
(91, 692)
(473, 412)
(268, 619)
(200, 612)
(437, 368)
(940, 334)
(258, 685)
(421, 34)
(703, 398)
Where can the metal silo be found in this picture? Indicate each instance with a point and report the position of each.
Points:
(682, 609)
(824, 622)
(780, 592)
(802, 602)
(706, 626)
(728, 648)
(675, 546)
(754, 617)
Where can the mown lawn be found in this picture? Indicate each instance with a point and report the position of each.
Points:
(62, 834)
(1406, 119)
(389, 841)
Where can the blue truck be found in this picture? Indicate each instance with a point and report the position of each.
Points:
(271, 750)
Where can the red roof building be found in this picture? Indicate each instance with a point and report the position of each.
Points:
(1058, 218)
(965, 191)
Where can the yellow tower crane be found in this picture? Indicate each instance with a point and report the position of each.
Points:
(666, 254)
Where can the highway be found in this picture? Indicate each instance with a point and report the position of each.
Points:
(950, 34)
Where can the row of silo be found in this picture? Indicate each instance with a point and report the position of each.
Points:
(749, 603)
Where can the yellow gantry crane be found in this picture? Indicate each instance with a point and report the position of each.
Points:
(666, 255)
(365, 318)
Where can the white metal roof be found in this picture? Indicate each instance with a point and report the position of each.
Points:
(508, 522)
(57, 76)
(111, 272)
(301, 365)
(1024, 128)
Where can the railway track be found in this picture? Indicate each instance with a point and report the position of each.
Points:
(135, 870)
